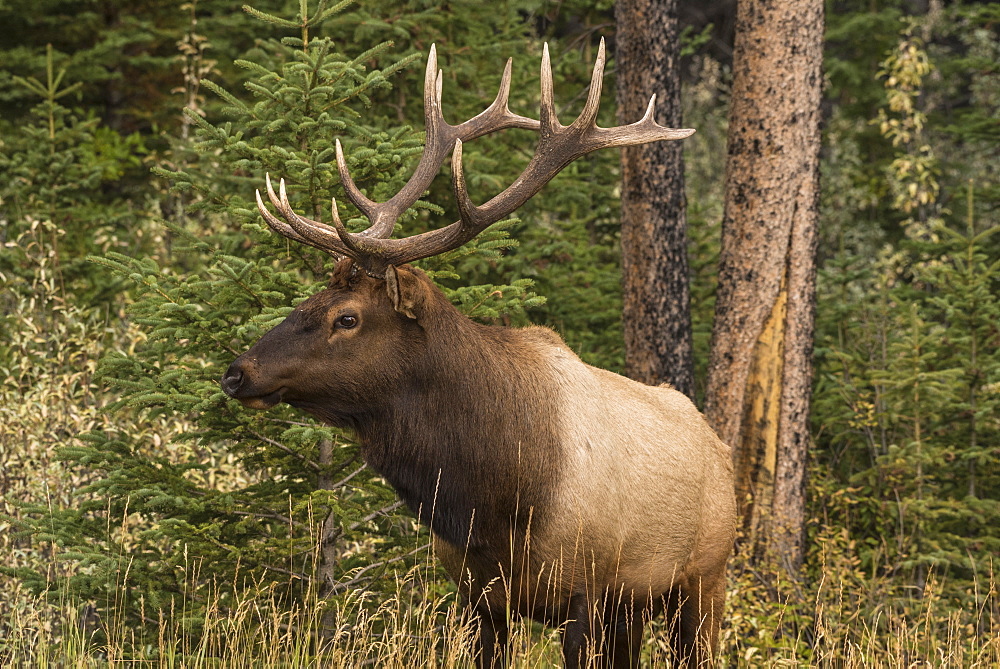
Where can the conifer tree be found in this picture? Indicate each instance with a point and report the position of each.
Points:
(907, 394)
(961, 286)
(122, 53)
(153, 532)
(54, 170)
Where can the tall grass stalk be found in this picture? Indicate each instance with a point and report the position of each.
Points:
(422, 625)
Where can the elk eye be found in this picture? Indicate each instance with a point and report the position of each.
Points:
(347, 321)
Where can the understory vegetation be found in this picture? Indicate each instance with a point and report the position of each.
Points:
(146, 518)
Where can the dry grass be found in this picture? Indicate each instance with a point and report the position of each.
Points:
(421, 625)
(847, 618)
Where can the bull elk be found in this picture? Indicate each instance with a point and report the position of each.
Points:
(552, 489)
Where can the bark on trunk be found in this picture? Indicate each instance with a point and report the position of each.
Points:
(655, 277)
(329, 532)
(759, 376)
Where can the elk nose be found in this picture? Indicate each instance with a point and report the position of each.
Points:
(232, 380)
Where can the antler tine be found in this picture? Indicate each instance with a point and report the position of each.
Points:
(498, 115)
(320, 235)
(271, 195)
(355, 249)
(281, 226)
(295, 229)
(650, 110)
(354, 194)
(358, 246)
(588, 117)
(642, 131)
(277, 224)
(468, 211)
(546, 105)
(282, 202)
(431, 76)
(502, 100)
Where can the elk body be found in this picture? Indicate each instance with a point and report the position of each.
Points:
(553, 489)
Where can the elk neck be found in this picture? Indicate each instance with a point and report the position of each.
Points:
(469, 438)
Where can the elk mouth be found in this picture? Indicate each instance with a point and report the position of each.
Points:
(263, 401)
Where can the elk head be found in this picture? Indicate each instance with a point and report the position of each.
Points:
(342, 350)
(353, 325)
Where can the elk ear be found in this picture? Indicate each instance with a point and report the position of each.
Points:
(403, 300)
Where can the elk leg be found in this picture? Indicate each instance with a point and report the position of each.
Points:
(491, 639)
(492, 644)
(714, 597)
(670, 603)
(623, 639)
(578, 632)
(696, 642)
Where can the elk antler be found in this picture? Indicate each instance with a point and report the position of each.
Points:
(558, 146)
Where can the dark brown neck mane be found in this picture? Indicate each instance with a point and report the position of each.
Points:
(468, 469)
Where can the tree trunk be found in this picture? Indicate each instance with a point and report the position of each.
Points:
(656, 311)
(329, 533)
(760, 368)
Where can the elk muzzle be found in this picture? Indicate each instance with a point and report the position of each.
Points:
(239, 383)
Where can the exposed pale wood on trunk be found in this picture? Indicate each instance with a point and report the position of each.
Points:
(757, 458)
(788, 506)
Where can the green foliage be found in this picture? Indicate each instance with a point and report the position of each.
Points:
(157, 529)
(963, 294)
(123, 54)
(895, 411)
(905, 404)
(57, 177)
(175, 508)
(907, 401)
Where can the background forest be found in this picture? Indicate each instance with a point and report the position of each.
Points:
(146, 517)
